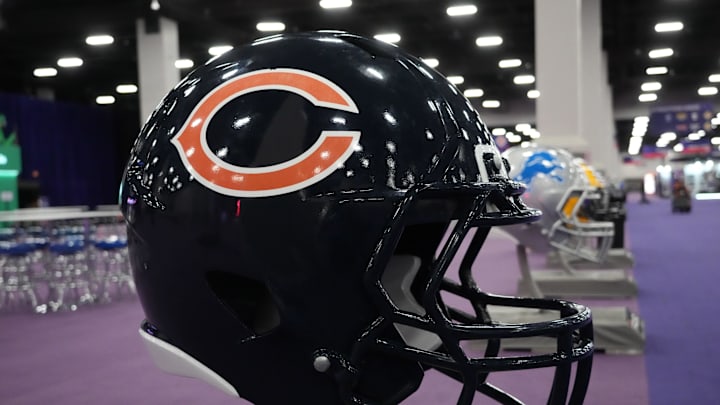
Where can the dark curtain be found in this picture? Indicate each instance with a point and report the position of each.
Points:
(72, 147)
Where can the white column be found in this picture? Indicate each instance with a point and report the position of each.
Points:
(157, 53)
(597, 125)
(558, 75)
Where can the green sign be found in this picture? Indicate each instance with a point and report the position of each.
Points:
(10, 166)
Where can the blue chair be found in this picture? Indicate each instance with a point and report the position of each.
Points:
(112, 270)
(17, 287)
(69, 280)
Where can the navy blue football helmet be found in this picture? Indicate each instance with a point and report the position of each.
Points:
(293, 207)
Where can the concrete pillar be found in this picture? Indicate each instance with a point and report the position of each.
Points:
(597, 124)
(575, 109)
(157, 51)
(557, 72)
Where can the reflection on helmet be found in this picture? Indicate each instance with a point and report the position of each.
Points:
(571, 196)
(285, 203)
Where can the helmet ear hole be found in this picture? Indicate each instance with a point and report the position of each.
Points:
(249, 300)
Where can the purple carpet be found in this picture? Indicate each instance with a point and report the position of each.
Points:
(677, 264)
(94, 356)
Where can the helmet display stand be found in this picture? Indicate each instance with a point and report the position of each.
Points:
(617, 329)
(569, 281)
(617, 258)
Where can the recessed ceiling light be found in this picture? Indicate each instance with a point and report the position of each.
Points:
(707, 91)
(714, 78)
(668, 26)
(184, 63)
(456, 79)
(533, 93)
(432, 62)
(523, 127)
(270, 26)
(105, 99)
(97, 40)
(647, 97)
(389, 37)
(524, 79)
(126, 88)
(509, 63)
(492, 40)
(491, 104)
(45, 72)
(463, 9)
(219, 49)
(473, 93)
(69, 62)
(335, 3)
(660, 53)
(656, 70)
(651, 86)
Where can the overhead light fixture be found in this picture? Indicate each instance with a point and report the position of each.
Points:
(390, 37)
(708, 91)
(329, 4)
(98, 40)
(642, 118)
(492, 40)
(105, 100)
(714, 78)
(647, 97)
(715, 141)
(656, 70)
(154, 5)
(533, 93)
(184, 63)
(270, 26)
(660, 53)
(219, 49)
(509, 63)
(668, 136)
(678, 147)
(473, 93)
(456, 79)
(524, 79)
(126, 88)
(69, 62)
(651, 86)
(459, 10)
(523, 127)
(694, 136)
(502, 131)
(669, 26)
(491, 104)
(45, 72)
(432, 62)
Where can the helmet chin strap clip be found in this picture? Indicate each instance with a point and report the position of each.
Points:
(326, 360)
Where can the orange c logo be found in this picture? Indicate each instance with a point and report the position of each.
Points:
(319, 161)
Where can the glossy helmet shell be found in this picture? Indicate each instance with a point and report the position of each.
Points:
(571, 197)
(269, 192)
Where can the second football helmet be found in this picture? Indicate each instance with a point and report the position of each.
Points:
(571, 198)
